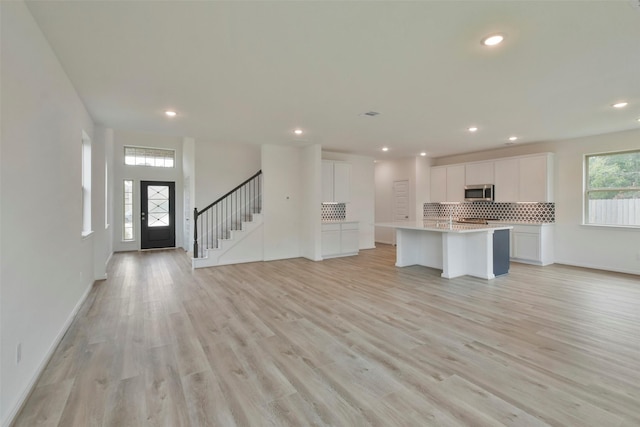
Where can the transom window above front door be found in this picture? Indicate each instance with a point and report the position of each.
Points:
(144, 156)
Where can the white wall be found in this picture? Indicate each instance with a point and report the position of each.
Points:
(282, 205)
(361, 208)
(41, 212)
(143, 173)
(189, 190)
(423, 184)
(604, 248)
(310, 225)
(102, 203)
(221, 167)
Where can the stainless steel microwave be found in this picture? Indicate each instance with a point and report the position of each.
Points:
(479, 193)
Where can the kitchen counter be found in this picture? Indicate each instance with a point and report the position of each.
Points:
(490, 221)
(444, 226)
(515, 222)
(456, 249)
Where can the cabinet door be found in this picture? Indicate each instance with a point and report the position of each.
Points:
(342, 182)
(478, 173)
(526, 246)
(455, 183)
(533, 179)
(327, 181)
(506, 180)
(331, 242)
(349, 241)
(438, 185)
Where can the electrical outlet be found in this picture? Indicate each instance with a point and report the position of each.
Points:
(18, 353)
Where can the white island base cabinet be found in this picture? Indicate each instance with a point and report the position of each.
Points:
(340, 239)
(456, 254)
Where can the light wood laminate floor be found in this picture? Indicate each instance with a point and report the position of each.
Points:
(344, 342)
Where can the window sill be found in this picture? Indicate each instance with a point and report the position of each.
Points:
(618, 227)
(86, 234)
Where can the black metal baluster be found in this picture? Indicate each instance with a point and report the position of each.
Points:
(195, 232)
(217, 224)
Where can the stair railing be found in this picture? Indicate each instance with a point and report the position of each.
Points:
(226, 214)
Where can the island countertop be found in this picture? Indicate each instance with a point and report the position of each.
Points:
(442, 226)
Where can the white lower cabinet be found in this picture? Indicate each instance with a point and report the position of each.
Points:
(532, 244)
(526, 246)
(331, 236)
(340, 239)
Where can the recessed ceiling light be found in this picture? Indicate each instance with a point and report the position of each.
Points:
(493, 39)
(473, 129)
(423, 154)
(385, 148)
(620, 104)
(513, 138)
(298, 131)
(170, 113)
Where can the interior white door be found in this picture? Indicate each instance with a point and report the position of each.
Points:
(401, 203)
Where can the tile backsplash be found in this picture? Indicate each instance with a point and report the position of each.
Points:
(529, 212)
(334, 211)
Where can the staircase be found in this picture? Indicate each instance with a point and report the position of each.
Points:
(229, 230)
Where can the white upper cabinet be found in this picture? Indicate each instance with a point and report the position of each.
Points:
(506, 180)
(327, 181)
(438, 184)
(516, 179)
(447, 183)
(478, 173)
(455, 183)
(524, 179)
(336, 181)
(342, 182)
(536, 178)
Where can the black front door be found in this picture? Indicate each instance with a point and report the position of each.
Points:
(158, 214)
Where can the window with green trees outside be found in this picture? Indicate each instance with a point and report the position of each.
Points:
(612, 194)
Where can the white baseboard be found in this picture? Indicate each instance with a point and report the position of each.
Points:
(11, 415)
(597, 267)
(385, 242)
(106, 263)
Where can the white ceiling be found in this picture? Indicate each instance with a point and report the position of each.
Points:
(251, 72)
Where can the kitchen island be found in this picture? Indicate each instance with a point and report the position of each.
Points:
(456, 249)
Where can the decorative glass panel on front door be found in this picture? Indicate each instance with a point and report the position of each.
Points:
(158, 206)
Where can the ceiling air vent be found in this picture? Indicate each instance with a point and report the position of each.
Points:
(370, 113)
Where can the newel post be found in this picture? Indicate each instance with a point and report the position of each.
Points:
(195, 232)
